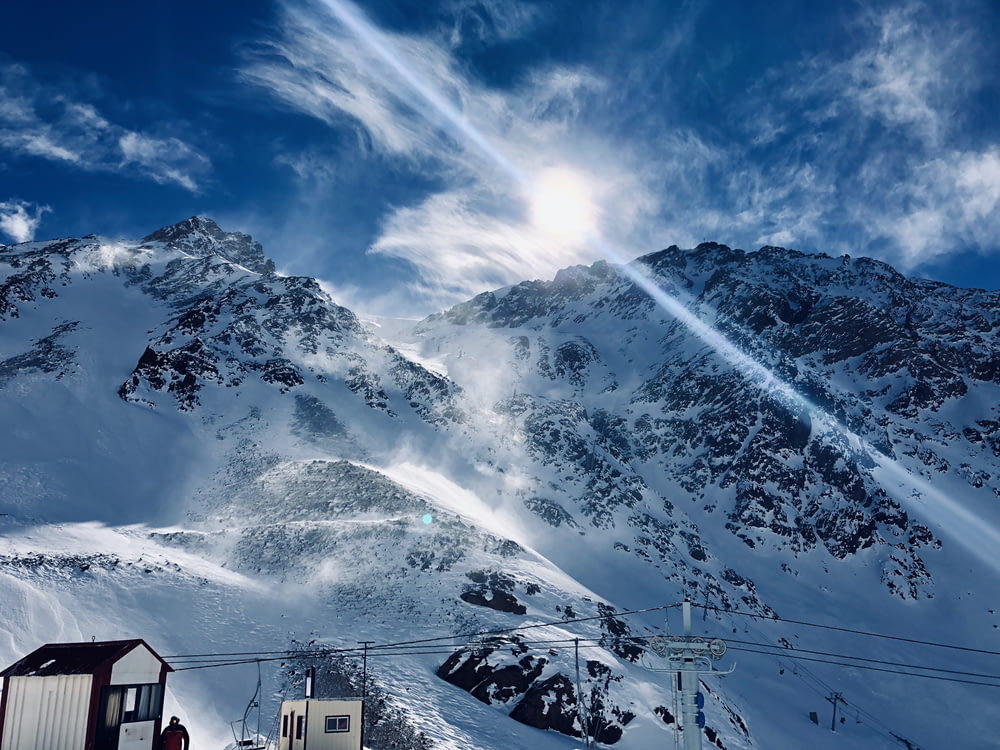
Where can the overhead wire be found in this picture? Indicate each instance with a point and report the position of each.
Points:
(464, 637)
(876, 669)
(853, 631)
(810, 679)
(420, 648)
(794, 651)
(289, 653)
(427, 647)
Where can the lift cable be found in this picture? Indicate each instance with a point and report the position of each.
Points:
(851, 630)
(776, 651)
(290, 653)
(873, 669)
(793, 652)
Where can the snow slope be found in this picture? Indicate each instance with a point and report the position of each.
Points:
(218, 459)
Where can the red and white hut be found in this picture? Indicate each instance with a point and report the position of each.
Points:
(106, 695)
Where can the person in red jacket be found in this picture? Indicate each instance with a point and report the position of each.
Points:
(174, 736)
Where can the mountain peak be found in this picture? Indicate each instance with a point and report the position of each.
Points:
(200, 235)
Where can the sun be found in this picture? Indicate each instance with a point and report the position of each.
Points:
(562, 205)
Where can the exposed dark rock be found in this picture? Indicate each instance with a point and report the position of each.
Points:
(492, 589)
(550, 511)
(46, 355)
(472, 671)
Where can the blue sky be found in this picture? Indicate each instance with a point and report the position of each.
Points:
(400, 150)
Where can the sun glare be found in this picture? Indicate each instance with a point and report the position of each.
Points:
(562, 205)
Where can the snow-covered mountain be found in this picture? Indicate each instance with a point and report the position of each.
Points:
(219, 459)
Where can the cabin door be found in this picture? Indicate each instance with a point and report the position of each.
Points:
(109, 717)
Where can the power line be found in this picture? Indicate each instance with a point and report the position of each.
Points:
(424, 647)
(293, 653)
(290, 653)
(823, 689)
(793, 650)
(852, 630)
(374, 652)
(873, 669)
(778, 652)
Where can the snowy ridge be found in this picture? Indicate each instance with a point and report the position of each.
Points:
(205, 454)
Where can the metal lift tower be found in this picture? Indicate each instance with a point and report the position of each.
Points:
(690, 656)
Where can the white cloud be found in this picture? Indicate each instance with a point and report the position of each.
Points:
(848, 152)
(20, 219)
(977, 180)
(410, 99)
(38, 144)
(862, 151)
(460, 246)
(918, 70)
(38, 120)
(163, 159)
(320, 68)
(950, 201)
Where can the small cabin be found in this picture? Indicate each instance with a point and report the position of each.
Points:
(311, 724)
(105, 695)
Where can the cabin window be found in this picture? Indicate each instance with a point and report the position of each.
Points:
(300, 727)
(126, 704)
(141, 702)
(338, 724)
(284, 725)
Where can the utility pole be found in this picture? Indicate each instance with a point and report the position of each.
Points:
(689, 657)
(835, 698)
(311, 682)
(364, 686)
(582, 713)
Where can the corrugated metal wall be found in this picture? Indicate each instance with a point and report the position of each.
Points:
(46, 713)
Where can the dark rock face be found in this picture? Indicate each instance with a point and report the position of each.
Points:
(315, 421)
(201, 236)
(230, 326)
(504, 671)
(179, 372)
(36, 273)
(45, 355)
(493, 590)
(491, 683)
(545, 706)
(617, 637)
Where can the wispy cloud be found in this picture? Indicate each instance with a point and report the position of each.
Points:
(850, 149)
(19, 219)
(44, 121)
(490, 20)
(867, 151)
(948, 202)
(408, 98)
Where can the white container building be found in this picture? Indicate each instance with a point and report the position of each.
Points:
(311, 724)
(106, 695)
